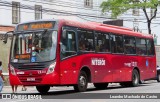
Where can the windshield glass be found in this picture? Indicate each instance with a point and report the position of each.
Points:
(34, 47)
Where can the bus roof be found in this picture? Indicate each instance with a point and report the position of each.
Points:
(105, 28)
(98, 27)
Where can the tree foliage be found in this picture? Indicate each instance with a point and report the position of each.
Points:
(118, 7)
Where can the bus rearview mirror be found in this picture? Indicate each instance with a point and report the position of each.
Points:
(6, 36)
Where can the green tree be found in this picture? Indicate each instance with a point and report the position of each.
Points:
(118, 7)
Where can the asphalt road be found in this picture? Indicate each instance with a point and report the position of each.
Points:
(147, 92)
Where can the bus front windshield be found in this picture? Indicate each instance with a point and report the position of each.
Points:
(34, 47)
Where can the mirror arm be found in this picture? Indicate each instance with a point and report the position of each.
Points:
(6, 37)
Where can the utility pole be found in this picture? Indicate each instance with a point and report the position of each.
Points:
(155, 38)
(136, 25)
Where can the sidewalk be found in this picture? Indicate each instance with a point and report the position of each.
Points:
(30, 89)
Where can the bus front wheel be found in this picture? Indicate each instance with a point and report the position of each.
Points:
(43, 89)
(81, 86)
(100, 85)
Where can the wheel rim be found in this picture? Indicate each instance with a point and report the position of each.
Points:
(158, 76)
(82, 81)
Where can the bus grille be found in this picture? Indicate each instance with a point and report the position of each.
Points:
(31, 67)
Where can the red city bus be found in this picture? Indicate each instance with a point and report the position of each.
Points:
(60, 52)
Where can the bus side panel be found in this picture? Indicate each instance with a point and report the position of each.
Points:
(151, 66)
(118, 68)
(147, 67)
(100, 72)
(123, 66)
(101, 68)
(69, 70)
(130, 62)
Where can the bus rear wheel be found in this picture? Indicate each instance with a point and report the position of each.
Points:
(43, 89)
(100, 85)
(135, 78)
(158, 77)
(82, 82)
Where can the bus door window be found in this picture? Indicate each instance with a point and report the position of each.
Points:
(102, 43)
(68, 44)
(150, 47)
(129, 45)
(86, 40)
(116, 43)
(141, 46)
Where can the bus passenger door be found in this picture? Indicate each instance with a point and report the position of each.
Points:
(68, 52)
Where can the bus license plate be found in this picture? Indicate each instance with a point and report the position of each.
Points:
(30, 79)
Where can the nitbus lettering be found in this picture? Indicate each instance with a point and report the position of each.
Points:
(98, 62)
(93, 62)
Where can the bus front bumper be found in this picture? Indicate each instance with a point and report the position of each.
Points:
(33, 80)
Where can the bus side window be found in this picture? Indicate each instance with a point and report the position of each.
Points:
(129, 45)
(141, 48)
(68, 44)
(116, 43)
(102, 43)
(150, 47)
(119, 43)
(85, 40)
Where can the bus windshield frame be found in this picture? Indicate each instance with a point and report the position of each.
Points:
(34, 46)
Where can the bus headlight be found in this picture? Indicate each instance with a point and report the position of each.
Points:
(12, 70)
(51, 68)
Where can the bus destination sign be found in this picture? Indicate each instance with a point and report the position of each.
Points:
(35, 26)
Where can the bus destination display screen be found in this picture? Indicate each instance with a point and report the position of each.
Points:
(35, 26)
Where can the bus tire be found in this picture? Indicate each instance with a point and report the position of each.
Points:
(100, 85)
(158, 77)
(135, 78)
(43, 89)
(82, 82)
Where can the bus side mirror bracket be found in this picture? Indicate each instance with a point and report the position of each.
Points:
(6, 36)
